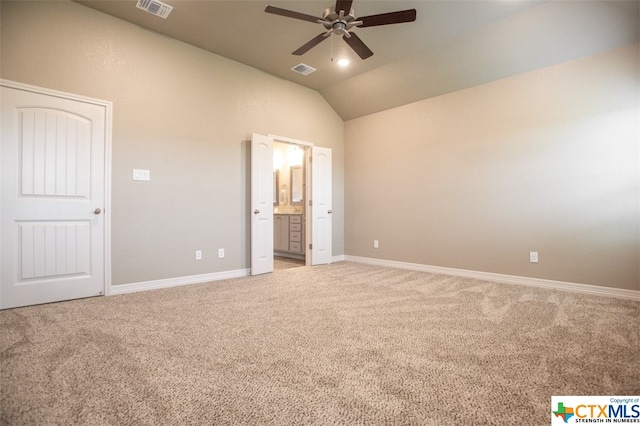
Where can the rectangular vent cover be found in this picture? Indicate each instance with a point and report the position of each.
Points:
(303, 69)
(155, 7)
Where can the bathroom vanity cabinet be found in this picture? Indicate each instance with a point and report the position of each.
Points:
(288, 234)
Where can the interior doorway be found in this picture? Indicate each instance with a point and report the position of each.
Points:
(289, 200)
(315, 235)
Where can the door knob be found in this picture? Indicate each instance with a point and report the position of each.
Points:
(330, 211)
(97, 211)
(256, 211)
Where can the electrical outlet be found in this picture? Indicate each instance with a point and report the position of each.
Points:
(376, 244)
(533, 256)
(198, 254)
(139, 174)
(220, 253)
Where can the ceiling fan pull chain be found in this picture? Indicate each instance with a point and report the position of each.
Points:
(331, 49)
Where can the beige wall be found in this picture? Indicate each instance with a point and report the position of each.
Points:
(182, 113)
(546, 161)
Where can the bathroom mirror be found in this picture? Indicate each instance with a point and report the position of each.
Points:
(297, 185)
(276, 185)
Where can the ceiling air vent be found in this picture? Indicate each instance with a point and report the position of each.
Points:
(155, 7)
(303, 69)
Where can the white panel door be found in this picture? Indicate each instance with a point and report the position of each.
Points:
(52, 223)
(321, 205)
(261, 204)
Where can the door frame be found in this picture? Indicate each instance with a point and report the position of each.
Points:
(308, 234)
(108, 125)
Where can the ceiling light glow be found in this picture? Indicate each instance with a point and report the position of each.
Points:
(343, 62)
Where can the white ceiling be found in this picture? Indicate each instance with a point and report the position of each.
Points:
(452, 45)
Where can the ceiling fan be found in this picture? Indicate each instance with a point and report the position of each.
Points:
(341, 20)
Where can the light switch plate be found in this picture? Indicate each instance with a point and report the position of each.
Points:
(139, 174)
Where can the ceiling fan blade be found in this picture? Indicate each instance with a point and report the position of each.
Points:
(398, 17)
(344, 5)
(358, 45)
(291, 14)
(311, 43)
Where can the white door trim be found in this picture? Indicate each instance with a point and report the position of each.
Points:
(289, 140)
(108, 106)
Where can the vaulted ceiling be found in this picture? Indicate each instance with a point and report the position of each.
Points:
(452, 45)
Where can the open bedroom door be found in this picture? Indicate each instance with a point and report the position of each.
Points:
(321, 206)
(261, 204)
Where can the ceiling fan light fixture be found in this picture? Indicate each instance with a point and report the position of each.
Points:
(343, 62)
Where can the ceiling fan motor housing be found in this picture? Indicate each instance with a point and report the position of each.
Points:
(338, 22)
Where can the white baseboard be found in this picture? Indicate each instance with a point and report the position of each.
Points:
(512, 279)
(174, 282)
(488, 276)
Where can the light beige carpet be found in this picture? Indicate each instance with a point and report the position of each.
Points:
(338, 344)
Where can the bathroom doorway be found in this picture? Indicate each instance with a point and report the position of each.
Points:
(316, 198)
(289, 196)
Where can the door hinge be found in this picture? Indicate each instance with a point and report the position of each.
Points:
(310, 246)
(310, 203)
